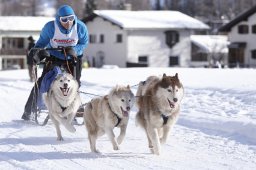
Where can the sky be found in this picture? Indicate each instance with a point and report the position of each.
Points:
(215, 130)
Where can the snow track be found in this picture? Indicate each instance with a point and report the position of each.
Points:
(216, 128)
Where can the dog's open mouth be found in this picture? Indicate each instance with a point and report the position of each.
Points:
(170, 103)
(125, 113)
(64, 91)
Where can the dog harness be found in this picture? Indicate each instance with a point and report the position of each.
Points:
(165, 118)
(118, 118)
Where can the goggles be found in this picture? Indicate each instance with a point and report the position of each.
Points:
(67, 18)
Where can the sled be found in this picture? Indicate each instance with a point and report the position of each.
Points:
(41, 114)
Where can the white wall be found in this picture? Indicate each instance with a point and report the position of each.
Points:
(115, 53)
(151, 43)
(136, 43)
(249, 39)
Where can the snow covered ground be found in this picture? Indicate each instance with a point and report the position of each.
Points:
(216, 128)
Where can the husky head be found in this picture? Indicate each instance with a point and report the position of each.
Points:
(64, 84)
(170, 91)
(121, 100)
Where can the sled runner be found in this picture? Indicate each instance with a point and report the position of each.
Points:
(41, 114)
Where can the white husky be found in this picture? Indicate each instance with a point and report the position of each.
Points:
(63, 101)
(159, 105)
(103, 114)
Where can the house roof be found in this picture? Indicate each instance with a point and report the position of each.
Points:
(242, 17)
(21, 23)
(211, 43)
(148, 19)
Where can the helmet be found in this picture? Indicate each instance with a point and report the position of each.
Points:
(65, 10)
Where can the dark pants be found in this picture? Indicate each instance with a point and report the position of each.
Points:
(31, 105)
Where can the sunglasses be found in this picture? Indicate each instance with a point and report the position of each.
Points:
(67, 18)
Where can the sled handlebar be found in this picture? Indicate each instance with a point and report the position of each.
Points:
(48, 49)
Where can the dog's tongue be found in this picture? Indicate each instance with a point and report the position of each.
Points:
(125, 113)
(170, 103)
(64, 91)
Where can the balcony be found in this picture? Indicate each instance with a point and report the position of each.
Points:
(11, 57)
(12, 52)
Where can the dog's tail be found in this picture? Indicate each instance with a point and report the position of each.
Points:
(139, 119)
(140, 94)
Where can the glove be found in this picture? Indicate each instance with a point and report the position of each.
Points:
(38, 55)
(31, 54)
(70, 51)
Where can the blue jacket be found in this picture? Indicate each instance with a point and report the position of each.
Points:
(47, 33)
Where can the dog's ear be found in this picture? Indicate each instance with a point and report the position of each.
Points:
(106, 97)
(116, 89)
(176, 75)
(128, 87)
(165, 81)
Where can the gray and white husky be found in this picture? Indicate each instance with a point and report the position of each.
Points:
(62, 101)
(103, 114)
(159, 106)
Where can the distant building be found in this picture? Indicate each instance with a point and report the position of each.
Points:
(14, 32)
(241, 33)
(209, 50)
(141, 38)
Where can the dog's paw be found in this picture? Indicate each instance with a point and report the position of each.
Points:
(156, 151)
(60, 138)
(96, 151)
(162, 141)
(116, 147)
(71, 128)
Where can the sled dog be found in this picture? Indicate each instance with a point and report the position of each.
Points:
(158, 108)
(63, 100)
(103, 114)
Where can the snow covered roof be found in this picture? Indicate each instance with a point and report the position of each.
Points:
(21, 23)
(241, 17)
(151, 19)
(211, 43)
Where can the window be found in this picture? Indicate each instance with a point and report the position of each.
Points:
(119, 38)
(253, 53)
(199, 57)
(101, 38)
(173, 60)
(254, 29)
(171, 38)
(92, 38)
(143, 59)
(10, 43)
(243, 29)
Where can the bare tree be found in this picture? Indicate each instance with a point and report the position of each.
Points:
(209, 9)
(77, 5)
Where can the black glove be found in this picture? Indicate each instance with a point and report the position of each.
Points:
(38, 55)
(70, 51)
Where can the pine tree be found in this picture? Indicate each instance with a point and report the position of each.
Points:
(90, 6)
